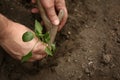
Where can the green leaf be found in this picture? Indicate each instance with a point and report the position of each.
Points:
(53, 46)
(38, 28)
(46, 37)
(27, 36)
(26, 57)
(40, 36)
(48, 51)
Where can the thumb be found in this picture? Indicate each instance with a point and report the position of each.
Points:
(39, 48)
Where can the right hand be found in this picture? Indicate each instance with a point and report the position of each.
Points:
(12, 42)
(51, 6)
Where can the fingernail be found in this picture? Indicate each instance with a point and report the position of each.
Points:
(56, 22)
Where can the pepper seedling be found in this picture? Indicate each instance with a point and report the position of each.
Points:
(48, 37)
(45, 38)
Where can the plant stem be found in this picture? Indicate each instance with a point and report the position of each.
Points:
(52, 29)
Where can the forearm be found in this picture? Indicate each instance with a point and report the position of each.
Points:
(3, 25)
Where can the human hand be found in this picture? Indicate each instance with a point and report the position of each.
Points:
(13, 44)
(52, 7)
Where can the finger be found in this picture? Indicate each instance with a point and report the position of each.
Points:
(33, 1)
(39, 48)
(36, 57)
(17, 57)
(60, 4)
(50, 11)
(62, 23)
(34, 10)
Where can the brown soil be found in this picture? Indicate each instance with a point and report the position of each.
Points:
(88, 47)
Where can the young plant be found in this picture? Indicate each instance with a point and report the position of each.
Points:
(48, 37)
(45, 38)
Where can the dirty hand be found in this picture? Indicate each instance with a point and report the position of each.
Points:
(51, 6)
(11, 41)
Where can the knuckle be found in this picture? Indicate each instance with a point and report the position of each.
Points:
(59, 4)
(52, 16)
(50, 6)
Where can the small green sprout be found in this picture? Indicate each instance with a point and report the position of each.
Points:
(28, 36)
(26, 57)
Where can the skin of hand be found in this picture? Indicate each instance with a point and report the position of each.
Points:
(11, 41)
(51, 7)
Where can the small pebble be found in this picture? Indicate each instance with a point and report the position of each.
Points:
(107, 58)
(87, 71)
(69, 32)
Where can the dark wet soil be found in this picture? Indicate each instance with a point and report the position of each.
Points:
(88, 47)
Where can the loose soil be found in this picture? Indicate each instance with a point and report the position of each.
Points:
(88, 47)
